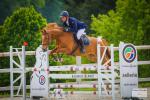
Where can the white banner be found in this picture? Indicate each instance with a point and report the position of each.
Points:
(139, 92)
(128, 69)
(39, 79)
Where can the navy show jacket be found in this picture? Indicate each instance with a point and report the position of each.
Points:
(74, 25)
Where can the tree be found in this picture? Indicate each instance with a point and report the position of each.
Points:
(128, 23)
(107, 26)
(23, 26)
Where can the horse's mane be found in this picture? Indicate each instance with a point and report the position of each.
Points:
(53, 26)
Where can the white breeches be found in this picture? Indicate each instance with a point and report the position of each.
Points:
(79, 33)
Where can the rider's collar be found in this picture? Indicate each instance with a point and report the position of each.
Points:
(67, 21)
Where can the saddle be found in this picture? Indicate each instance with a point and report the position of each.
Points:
(85, 41)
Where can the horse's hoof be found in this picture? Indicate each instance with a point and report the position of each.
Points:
(82, 50)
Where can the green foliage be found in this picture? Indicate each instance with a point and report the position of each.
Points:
(23, 25)
(129, 23)
(109, 24)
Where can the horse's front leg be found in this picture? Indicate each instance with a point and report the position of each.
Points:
(57, 51)
(63, 50)
(53, 51)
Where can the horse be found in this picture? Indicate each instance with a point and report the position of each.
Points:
(66, 44)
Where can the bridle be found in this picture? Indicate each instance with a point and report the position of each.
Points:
(47, 37)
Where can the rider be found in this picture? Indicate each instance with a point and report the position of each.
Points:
(75, 26)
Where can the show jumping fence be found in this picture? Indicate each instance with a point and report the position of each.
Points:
(102, 79)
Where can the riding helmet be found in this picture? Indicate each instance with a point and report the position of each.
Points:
(64, 13)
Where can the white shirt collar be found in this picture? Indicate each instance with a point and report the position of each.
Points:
(67, 22)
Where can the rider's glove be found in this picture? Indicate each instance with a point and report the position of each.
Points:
(66, 30)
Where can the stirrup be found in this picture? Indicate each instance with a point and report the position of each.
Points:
(82, 50)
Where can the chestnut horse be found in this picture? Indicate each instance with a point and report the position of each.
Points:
(66, 44)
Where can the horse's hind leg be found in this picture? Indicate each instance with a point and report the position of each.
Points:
(92, 57)
(63, 50)
(107, 53)
(53, 51)
(108, 50)
(107, 62)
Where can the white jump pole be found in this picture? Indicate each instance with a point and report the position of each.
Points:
(21, 69)
(98, 66)
(101, 76)
(11, 74)
(23, 72)
(112, 71)
(78, 63)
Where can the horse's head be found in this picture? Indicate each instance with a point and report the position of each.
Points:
(45, 39)
(48, 33)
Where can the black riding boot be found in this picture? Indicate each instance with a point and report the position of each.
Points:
(82, 49)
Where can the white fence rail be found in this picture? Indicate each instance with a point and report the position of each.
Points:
(68, 68)
(73, 85)
(6, 54)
